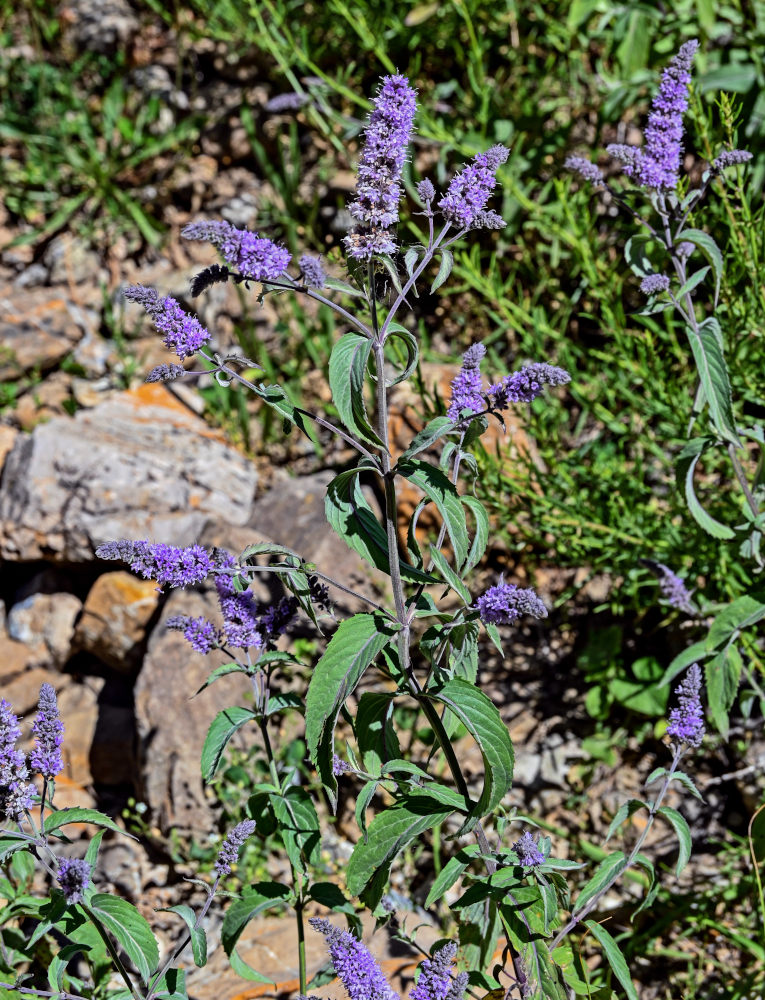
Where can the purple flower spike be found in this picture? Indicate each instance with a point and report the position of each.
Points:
(686, 722)
(16, 793)
(470, 189)
(252, 255)
(425, 191)
(165, 373)
(357, 970)
(167, 564)
(48, 730)
(526, 384)
(229, 852)
(528, 851)
(730, 158)
(467, 393)
(382, 158)
(183, 333)
(673, 589)
(339, 766)
(200, 634)
(505, 603)
(653, 284)
(312, 271)
(458, 987)
(586, 170)
(435, 981)
(74, 878)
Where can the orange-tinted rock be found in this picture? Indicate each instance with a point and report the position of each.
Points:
(117, 611)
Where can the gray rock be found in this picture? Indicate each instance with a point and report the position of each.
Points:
(70, 260)
(45, 624)
(38, 327)
(100, 25)
(137, 466)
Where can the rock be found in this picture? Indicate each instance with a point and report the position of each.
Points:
(292, 514)
(104, 26)
(70, 260)
(78, 705)
(37, 328)
(172, 725)
(113, 759)
(45, 624)
(113, 624)
(137, 466)
(8, 436)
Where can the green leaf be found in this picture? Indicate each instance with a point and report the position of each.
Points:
(171, 986)
(58, 965)
(363, 801)
(614, 957)
(693, 654)
(738, 616)
(451, 871)
(254, 900)
(198, 935)
(695, 279)
(653, 884)
(389, 833)
(284, 701)
(131, 930)
(481, 537)
(451, 578)
(625, 811)
(222, 671)
(686, 467)
(9, 844)
(722, 675)
(709, 248)
(605, 873)
(78, 815)
(429, 434)
(713, 375)
(444, 270)
(437, 487)
(351, 517)
(352, 648)
(683, 835)
(412, 352)
(223, 727)
(342, 286)
(298, 826)
(681, 776)
(480, 717)
(347, 377)
(375, 733)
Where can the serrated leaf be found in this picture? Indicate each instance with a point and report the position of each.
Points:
(738, 616)
(653, 884)
(412, 351)
(683, 835)
(693, 654)
(410, 259)
(713, 375)
(614, 957)
(709, 248)
(429, 434)
(363, 800)
(722, 675)
(223, 728)
(254, 900)
(342, 286)
(58, 965)
(441, 564)
(444, 270)
(284, 701)
(298, 826)
(10, 844)
(222, 671)
(481, 536)
(129, 928)
(389, 833)
(351, 650)
(606, 872)
(438, 488)
(197, 934)
(451, 871)
(347, 377)
(480, 717)
(695, 279)
(686, 468)
(76, 814)
(171, 986)
(625, 811)
(375, 733)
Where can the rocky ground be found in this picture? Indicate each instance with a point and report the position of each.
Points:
(89, 453)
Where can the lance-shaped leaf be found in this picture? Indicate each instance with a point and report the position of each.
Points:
(709, 248)
(221, 730)
(298, 826)
(480, 717)
(254, 900)
(347, 376)
(196, 933)
(437, 487)
(399, 332)
(129, 928)
(351, 650)
(713, 375)
(77, 814)
(429, 434)
(686, 467)
(606, 872)
(614, 957)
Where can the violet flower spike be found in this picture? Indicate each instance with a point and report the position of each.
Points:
(312, 270)
(527, 849)
(435, 981)
(183, 333)
(504, 604)
(586, 170)
(730, 158)
(526, 384)
(167, 564)
(74, 878)
(686, 722)
(471, 188)
(381, 162)
(357, 970)
(467, 392)
(48, 730)
(251, 255)
(232, 845)
(200, 634)
(16, 792)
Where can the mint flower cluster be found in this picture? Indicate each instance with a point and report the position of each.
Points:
(504, 604)
(183, 333)
(252, 256)
(16, 791)
(73, 876)
(686, 722)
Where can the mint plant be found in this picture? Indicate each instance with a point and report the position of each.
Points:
(423, 642)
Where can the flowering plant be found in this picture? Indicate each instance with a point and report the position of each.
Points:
(423, 643)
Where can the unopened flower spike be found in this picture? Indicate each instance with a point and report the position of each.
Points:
(74, 878)
(527, 849)
(467, 392)
(586, 170)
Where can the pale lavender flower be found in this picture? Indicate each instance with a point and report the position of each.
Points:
(253, 256)
(74, 878)
(48, 731)
(312, 271)
(435, 981)
(488, 220)
(239, 609)
(16, 792)
(685, 249)
(200, 633)
(291, 101)
(528, 851)
(183, 333)
(686, 722)
(357, 970)
(470, 189)
(467, 392)
(673, 588)
(339, 766)
(232, 845)
(382, 158)
(653, 284)
(656, 165)
(586, 170)
(526, 384)
(730, 158)
(167, 564)
(165, 373)
(504, 604)
(628, 155)
(458, 987)
(425, 191)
